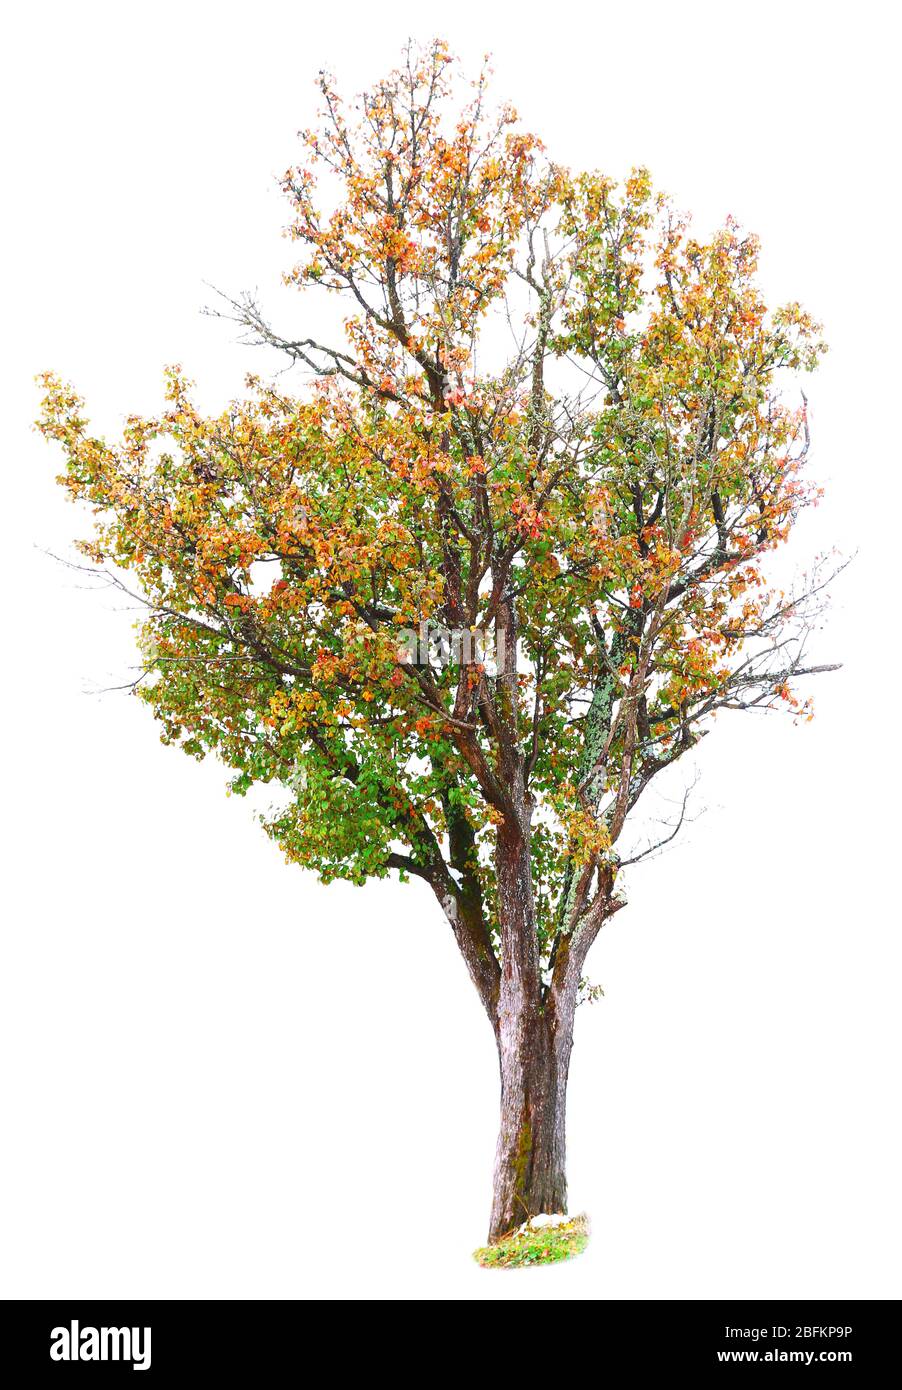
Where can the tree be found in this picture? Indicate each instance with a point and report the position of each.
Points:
(464, 601)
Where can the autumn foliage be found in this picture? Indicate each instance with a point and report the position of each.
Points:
(550, 411)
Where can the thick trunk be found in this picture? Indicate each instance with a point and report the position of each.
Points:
(530, 1172)
(533, 1026)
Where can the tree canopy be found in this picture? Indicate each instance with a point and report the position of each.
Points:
(551, 414)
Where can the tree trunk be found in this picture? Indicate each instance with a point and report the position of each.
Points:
(533, 1026)
(530, 1172)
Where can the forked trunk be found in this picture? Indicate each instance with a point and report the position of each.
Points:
(533, 1026)
(530, 1161)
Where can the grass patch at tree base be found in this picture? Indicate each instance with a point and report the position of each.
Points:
(536, 1245)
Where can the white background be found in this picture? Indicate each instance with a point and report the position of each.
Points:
(221, 1079)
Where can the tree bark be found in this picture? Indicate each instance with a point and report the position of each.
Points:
(534, 1032)
(530, 1161)
(533, 1024)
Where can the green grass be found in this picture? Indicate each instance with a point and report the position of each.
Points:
(546, 1246)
